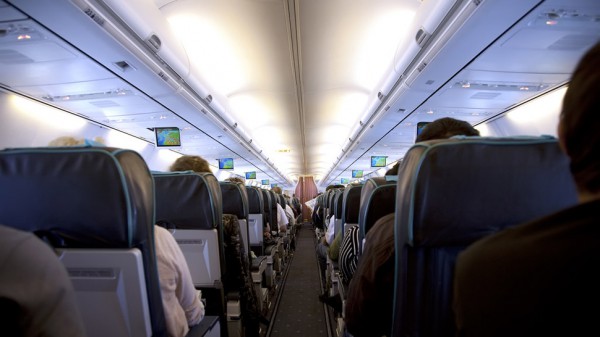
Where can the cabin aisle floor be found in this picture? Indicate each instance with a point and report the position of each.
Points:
(299, 311)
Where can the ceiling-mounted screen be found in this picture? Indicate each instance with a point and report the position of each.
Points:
(226, 164)
(167, 137)
(345, 181)
(357, 173)
(251, 175)
(378, 161)
(264, 182)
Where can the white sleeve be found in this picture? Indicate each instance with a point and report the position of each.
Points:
(330, 230)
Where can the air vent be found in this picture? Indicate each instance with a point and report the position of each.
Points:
(574, 42)
(485, 95)
(9, 56)
(124, 66)
(104, 104)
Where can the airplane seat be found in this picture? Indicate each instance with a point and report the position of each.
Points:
(451, 193)
(351, 205)
(337, 207)
(271, 247)
(190, 202)
(377, 199)
(350, 211)
(95, 206)
(259, 267)
(235, 202)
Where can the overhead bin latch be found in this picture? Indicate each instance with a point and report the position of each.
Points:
(421, 37)
(154, 42)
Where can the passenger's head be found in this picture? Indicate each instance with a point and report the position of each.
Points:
(579, 124)
(65, 141)
(276, 189)
(445, 128)
(394, 170)
(190, 163)
(330, 187)
(236, 180)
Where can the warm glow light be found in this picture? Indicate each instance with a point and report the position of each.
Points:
(213, 54)
(545, 107)
(374, 53)
(124, 141)
(53, 117)
(167, 156)
(484, 130)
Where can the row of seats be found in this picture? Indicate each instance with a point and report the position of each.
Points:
(98, 206)
(448, 194)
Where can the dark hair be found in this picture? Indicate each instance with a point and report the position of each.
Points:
(393, 171)
(190, 163)
(445, 128)
(579, 122)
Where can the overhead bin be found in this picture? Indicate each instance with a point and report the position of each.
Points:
(146, 20)
(427, 19)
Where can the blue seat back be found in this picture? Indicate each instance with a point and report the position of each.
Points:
(351, 204)
(87, 201)
(377, 199)
(235, 202)
(453, 192)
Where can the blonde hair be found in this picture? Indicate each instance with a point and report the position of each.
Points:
(236, 180)
(190, 163)
(72, 141)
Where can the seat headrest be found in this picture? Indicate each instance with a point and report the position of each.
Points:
(454, 191)
(351, 203)
(86, 196)
(188, 199)
(255, 200)
(338, 204)
(377, 199)
(235, 199)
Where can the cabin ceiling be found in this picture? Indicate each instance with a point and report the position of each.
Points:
(296, 87)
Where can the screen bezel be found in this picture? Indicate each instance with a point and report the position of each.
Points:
(357, 173)
(420, 127)
(374, 159)
(223, 164)
(160, 129)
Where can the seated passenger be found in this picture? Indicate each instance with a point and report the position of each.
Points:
(541, 278)
(36, 294)
(237, 274)
(369, 299)
(181, 300)
(190, 163)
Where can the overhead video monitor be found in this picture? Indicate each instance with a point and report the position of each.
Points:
(264, 182)
(251, 175)
(167, 137)
(357, 173)
(273, 185)
(420, 127)
(226, 164)
(345, 181)
(378, 161)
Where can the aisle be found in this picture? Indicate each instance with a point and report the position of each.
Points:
(299, 312)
